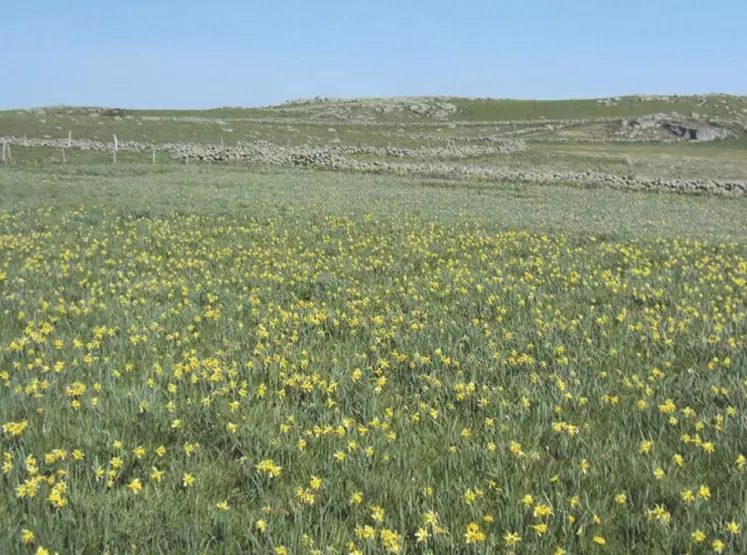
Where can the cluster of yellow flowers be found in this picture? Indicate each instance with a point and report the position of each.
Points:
(291, 386)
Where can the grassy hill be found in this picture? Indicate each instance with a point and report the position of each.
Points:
(573, 135)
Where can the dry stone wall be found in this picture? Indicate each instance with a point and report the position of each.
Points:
(415, 162)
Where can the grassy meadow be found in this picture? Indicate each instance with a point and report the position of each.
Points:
(222, 360)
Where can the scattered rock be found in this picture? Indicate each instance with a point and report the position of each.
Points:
(667, 126)
(338, 158)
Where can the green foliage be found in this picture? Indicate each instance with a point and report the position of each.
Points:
(305, 355)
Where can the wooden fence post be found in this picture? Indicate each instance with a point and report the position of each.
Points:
(69, 139)
(2, 154)
(114, 151)
(154, 156)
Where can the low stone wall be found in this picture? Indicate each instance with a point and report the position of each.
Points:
(422, 162)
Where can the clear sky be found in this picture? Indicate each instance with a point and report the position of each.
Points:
(182, 54)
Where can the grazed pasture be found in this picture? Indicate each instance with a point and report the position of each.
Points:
(202, 360)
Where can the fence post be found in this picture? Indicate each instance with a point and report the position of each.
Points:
(8, 154)
(69, 139)
(2, 154)
(154, 156)
(25, 140)
(114, 151)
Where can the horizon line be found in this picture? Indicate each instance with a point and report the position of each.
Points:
(322, 98)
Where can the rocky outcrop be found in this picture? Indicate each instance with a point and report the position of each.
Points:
(696, 133)
(657, 126)
(362, 109)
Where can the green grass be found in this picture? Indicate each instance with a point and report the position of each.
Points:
(448, 355)
(209, 131)
(270, 191)
(57, 121)
(630, 106)
(719, 160)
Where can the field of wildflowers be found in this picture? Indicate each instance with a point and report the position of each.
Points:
(343, 383)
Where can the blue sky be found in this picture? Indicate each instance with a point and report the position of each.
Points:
(182, 54)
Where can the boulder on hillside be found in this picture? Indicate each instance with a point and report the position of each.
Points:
(696, 133)
(674, 126)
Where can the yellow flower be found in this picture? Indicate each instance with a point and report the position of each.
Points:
(430, 518)
(365, 532)
(188, 480)
(687, 496)
(377, 513)
(541, 529)
(542, 511)
(41, 551)
(733, 528)
(356, 498)
(15, 429)
(135, 485)
(222, 506)
(27, 536)
(473, 534)
(621, 499)
(599, 540)
(645, 447)
(260, 525)
(704, 492)
(698, 536)
(718, 546)
(421, 535)
(269, 467)
(511, 538)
